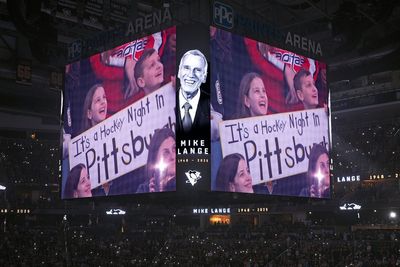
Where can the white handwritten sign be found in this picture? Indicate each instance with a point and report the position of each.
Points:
(275, 146)
(120, 143)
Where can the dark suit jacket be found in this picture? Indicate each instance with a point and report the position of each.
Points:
(125, 184)
(201, 123)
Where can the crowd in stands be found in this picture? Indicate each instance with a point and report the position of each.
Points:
(30, 164)
(29, 161)
(272, 244)
(385, 191)
(366, 149)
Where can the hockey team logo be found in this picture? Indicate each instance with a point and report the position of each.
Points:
(192, 177)
(223, 15)
(290, 58)
(132, 49)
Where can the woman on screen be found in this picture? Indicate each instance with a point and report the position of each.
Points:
(233, 175)
(94, 107)
(252, 95)
(318, 176)
(78, 183)
(161, 163)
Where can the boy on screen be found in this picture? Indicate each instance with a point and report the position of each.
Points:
(149, 71)
(305, 89)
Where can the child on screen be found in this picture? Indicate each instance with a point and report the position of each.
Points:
(94, 107)
(149, 71)
(94, 112)
(306, 90)
(253, 96)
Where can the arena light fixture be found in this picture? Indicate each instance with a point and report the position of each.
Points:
(115, 212)
(2, 187)
(350, 206)
(392, 215)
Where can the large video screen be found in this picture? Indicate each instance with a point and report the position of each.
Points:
(269, 119)
(119, 120)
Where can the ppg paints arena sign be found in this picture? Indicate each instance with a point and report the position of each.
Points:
(82, 48)
(225, 16)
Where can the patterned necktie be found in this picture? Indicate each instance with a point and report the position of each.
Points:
(187, 120)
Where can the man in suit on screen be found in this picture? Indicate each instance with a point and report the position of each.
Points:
(193, 103)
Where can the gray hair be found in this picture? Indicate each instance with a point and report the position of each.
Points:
(195, 52)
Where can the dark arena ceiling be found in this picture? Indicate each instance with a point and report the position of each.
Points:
(358, 37)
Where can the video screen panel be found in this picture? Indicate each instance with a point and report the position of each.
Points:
(269, 119)
(119, 120)
(193, 108)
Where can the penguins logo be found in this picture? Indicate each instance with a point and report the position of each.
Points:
(193, 177)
